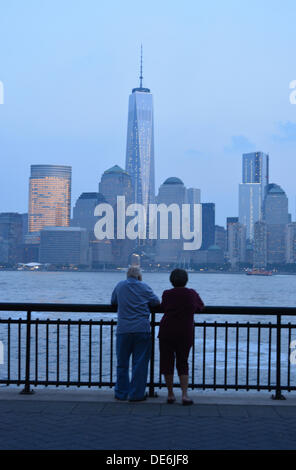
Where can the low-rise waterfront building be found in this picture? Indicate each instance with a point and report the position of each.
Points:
(63, 246)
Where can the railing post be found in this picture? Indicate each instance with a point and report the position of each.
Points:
(152, 393)
(278, 391)
(27, 390)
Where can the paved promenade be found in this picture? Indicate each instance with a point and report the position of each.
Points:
(92, 419)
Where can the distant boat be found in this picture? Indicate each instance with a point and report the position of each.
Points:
(258, 272)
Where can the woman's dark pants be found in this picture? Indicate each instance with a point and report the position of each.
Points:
(171, 350)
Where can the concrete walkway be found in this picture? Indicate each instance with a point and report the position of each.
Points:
(92, 419)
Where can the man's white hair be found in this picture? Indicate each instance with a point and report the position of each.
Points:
(133, 271)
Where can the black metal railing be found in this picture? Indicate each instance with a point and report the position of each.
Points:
(237, 355)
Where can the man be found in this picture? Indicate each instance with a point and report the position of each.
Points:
(133, 299)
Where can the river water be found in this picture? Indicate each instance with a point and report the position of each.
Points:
(96, 288)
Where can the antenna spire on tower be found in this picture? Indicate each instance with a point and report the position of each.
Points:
(141, 69)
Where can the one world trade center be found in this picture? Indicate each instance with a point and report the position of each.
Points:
(140, 144)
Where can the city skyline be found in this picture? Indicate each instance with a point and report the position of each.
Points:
(66, 96)
(50, 235)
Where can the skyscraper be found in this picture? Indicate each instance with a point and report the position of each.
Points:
(250, 206)
(236, 243)
(193, 197)
(260, 245)
(208, 225)
(49, 196)
(256, 168)
(291, 243)
(229, 222)
(117, 182)
(170, 251)
(83, 212)
(220, 237)
(140, 144)
(255, 178)
(10, 237)
(276, 217)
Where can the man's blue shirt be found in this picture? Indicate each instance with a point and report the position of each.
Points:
(133, 299)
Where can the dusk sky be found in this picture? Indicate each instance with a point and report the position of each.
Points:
(219, 73)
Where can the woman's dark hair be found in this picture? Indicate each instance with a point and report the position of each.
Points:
(179, 278)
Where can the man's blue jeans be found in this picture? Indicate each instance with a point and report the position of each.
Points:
(137, 345)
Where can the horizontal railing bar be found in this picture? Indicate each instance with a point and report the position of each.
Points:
(24, 321)
(222, 386)
(63, 383)
(106, 308)
(85, 383)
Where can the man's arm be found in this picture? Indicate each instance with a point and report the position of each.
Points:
(114, 300)
(153, 300)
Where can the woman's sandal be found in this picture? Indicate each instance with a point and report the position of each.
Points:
(187, 402)
(170, 401)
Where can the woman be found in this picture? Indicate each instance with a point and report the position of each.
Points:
(176, 332)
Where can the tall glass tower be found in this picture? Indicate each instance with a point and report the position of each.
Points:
(255, 178)
(255, 168)
(140, 143)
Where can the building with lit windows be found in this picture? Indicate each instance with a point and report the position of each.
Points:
(140, 144)
(255, 178)
(250, 206)
(49, 196)
(255, 168)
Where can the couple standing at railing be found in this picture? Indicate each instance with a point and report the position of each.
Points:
(134, 299)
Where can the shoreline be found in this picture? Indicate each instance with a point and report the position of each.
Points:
(123, 270)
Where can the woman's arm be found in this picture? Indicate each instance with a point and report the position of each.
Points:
(199, 303)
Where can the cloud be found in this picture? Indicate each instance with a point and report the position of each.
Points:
(287, 132)
(240, 144)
